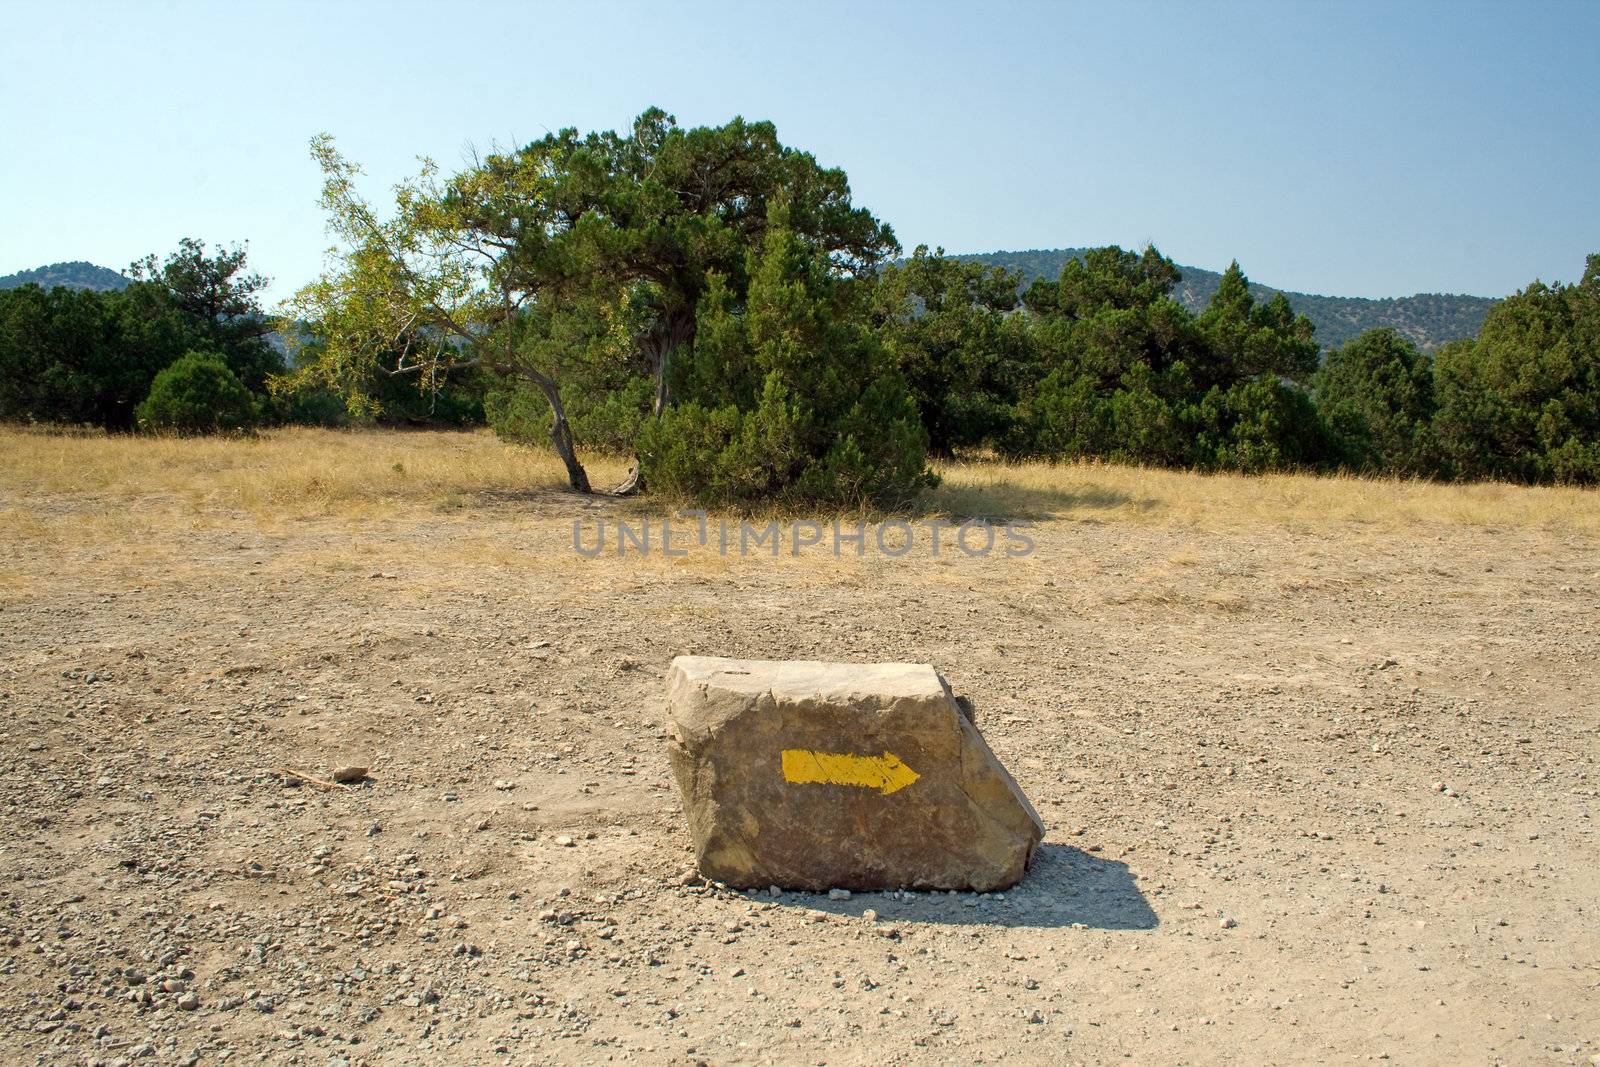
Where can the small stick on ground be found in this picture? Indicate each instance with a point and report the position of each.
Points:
(304, 777)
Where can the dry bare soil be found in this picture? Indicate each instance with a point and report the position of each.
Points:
(1316, 758)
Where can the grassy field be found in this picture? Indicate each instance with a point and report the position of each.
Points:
(304, 473)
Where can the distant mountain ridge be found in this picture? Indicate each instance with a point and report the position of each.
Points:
(1428, 319)
(74, 275)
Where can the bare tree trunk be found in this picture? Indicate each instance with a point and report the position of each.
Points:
(675, 331)
(561, 437)
(633, 484)
(661, 361)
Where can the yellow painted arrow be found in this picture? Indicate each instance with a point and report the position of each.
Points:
(885, 773)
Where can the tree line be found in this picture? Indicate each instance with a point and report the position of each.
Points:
(82, 356)
(1103, 363)
(713, 303)
(185, 346)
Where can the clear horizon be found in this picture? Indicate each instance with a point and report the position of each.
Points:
(1347, 150)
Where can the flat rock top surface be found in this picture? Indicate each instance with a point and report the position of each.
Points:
(809, 679)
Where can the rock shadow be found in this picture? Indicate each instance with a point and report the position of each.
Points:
(1065, 886)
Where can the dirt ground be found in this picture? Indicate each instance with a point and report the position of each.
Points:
(1316, 790)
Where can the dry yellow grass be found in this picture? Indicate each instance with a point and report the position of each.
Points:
(1136, 494)
(293, 473)
(303, 473)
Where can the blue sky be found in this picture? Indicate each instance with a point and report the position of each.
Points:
(1349, 148)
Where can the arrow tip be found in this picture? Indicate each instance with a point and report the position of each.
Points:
(896, 775)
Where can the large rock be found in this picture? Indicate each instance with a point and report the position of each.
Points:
(862, 776)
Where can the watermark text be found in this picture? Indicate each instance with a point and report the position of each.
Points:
(892, 537)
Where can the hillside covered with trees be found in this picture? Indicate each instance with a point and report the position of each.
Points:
(74, 275)
(1428, 320)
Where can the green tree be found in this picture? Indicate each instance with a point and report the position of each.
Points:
(1375, 393)
(55, 352)
(1131, 375)
(796, 400)
(1108, 278)
(1116, 354)
(220, 297)
(653, 215)
(635, 227)
(1249, 339)
(1262, 423)
(950, 327)
(441, 287)
(1522, 401)
(198, 394)
(82, 356)
(575, 259)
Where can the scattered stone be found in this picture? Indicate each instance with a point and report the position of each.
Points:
(351, 775)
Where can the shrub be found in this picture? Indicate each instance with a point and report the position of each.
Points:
(80, 356)
(198, 394)
(311, 406)
(1375, 394)
(967, 358)
(790, 399)
(1523, 400)
(1261, 424)
(1134, 377)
